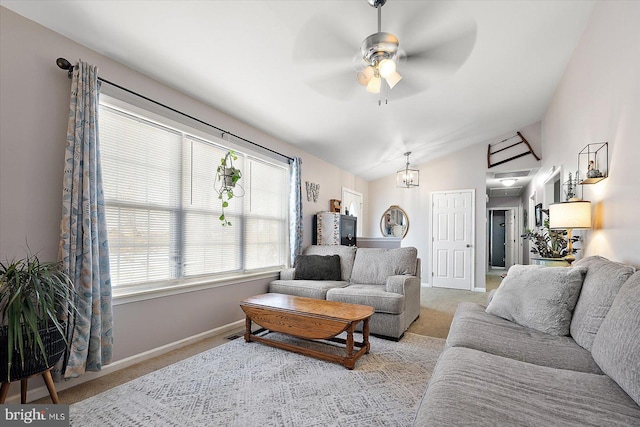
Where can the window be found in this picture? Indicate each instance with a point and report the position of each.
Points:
(162, 210)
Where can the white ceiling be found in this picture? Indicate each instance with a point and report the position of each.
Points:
(286, 67)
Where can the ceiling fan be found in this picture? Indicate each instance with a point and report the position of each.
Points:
(379, 55)
(437, 39)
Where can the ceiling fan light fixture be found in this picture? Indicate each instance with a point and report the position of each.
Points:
(365, 75)
(393, 79)
(374, 84)
(387, 67)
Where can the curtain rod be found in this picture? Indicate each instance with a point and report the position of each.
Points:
(66, 65)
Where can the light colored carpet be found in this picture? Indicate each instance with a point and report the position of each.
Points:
(437, 308)
(250, 384)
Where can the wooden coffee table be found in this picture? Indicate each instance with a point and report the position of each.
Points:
(311, 319)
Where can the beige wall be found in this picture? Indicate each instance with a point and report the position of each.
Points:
(34, 107)
(598, 99)
(463, 169)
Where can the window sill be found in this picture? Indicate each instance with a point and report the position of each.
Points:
(132, 294)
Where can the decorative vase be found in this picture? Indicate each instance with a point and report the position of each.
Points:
(550, 262)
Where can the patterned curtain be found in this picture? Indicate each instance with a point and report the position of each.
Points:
(295, 210)
(83, 247)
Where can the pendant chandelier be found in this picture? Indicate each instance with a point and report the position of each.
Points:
(406, 177)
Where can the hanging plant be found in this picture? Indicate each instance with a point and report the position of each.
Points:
(228, 176)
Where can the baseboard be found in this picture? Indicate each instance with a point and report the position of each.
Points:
(479, 289)
(40, 392)
(425, 285)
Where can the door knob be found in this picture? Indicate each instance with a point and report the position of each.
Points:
(468, 245)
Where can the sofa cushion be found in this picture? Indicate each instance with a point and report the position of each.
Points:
(375, 296)
(472, 388)
(317, 267)
(601, 285)
(372, 266)
(474, 328)
(616, 347)
(541, 298)
(305, 288)
(347, 255)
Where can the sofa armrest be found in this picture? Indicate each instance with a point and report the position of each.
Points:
(402, 283)
(288, 274)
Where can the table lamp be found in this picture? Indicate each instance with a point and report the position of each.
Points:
(569, 216)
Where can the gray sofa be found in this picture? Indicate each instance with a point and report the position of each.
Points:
(496, 372)
(386, 279)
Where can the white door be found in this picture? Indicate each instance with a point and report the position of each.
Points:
(453, 234)
(352, 201)
(510, 238)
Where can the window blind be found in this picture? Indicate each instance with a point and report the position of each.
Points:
(162, 209)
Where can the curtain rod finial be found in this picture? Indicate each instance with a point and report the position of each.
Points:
(65, 65)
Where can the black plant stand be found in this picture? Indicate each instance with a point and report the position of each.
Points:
(48, 380)
(34, 363)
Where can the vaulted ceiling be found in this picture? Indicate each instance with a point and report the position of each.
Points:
(286, 67)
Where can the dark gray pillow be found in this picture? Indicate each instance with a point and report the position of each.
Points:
(537, 297)
(318, 267)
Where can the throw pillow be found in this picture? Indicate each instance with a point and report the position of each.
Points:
(372, 266)
(601, 285)
(616, 347)
(317, 267)
(540, 298)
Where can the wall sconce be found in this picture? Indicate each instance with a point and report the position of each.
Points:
(569, 216)
(407, 178)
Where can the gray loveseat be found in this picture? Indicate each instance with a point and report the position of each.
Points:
(386, 279)
(496, 372)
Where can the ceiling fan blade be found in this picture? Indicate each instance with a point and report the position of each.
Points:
(439, 59)
(341, 86)
(322, 39)
(451, 48)
(419, 22)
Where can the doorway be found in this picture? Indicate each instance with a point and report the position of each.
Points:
(352, 204)
(453, 238)
(503, 247)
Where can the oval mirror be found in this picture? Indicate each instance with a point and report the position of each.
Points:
(394, 222)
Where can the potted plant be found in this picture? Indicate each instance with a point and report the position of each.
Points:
(227, 176)
(34, 297)
(550, 245)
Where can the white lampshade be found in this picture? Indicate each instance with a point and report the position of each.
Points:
(393, 79)
(570, 215)
(374, 85)
(387, 67)
(364, 75)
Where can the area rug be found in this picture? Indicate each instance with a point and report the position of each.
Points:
(251, 384)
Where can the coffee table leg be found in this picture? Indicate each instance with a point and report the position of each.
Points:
(247, 329)
(349, 362)
(365, 335)
(350, 341)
